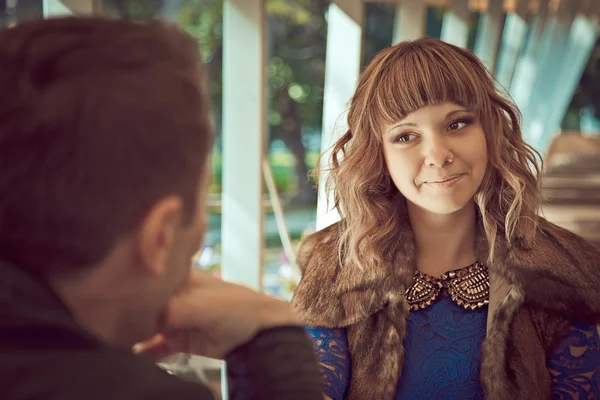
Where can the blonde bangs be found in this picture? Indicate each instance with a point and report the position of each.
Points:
(420, 76)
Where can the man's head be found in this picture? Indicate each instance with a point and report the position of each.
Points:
(105, 137)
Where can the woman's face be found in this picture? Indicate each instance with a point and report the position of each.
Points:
(437, 157)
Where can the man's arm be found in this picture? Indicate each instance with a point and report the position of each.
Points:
(278, 363)
(268, 353)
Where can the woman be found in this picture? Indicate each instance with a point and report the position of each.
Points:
(441, 281)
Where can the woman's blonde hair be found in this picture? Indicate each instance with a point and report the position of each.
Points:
(398, 81)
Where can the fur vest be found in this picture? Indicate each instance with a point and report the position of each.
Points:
(535, 293)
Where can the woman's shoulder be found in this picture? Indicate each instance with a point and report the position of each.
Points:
(558, 273)
(334, 295)
(314, 299)
(322, 245)
(567, 241)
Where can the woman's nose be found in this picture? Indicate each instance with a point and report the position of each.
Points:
(437, 154)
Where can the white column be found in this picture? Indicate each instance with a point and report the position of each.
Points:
(58, 8)
(409, 20)
(455, 27)
(244, 128)
(342, 67)
(244, 133)
(489, 32)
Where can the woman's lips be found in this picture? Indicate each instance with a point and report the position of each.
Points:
(443, 183)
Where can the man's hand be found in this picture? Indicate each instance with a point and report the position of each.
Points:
(211, 317)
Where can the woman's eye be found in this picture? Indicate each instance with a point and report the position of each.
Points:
(456, 125)
(403, 138)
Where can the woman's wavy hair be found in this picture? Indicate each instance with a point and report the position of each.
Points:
(398, 81)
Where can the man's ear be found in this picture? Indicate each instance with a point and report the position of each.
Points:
(157, 234)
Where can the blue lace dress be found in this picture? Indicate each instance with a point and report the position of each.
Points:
(442, 357)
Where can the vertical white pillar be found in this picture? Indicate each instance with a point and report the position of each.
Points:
(244, 131)
(489, 32)
(342, 67)
(409, 20)
(455, 27)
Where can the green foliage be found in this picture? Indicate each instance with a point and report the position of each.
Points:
(203, 19)
(297, 43)
(295, 72)
(133, 9)
(298, 12)
(282, 166)
(297, 34)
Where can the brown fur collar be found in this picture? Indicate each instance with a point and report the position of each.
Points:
(534, 292)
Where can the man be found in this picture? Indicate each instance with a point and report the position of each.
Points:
(105, 137)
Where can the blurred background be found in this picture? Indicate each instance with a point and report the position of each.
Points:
(282, 71)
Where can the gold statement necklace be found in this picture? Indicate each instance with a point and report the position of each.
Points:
(468, 287)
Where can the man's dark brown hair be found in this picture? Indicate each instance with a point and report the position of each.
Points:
(99, 119)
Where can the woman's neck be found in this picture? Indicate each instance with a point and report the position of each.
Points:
(444, 242)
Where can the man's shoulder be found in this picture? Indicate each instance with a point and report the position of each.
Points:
(45, 354)
(99, 373)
